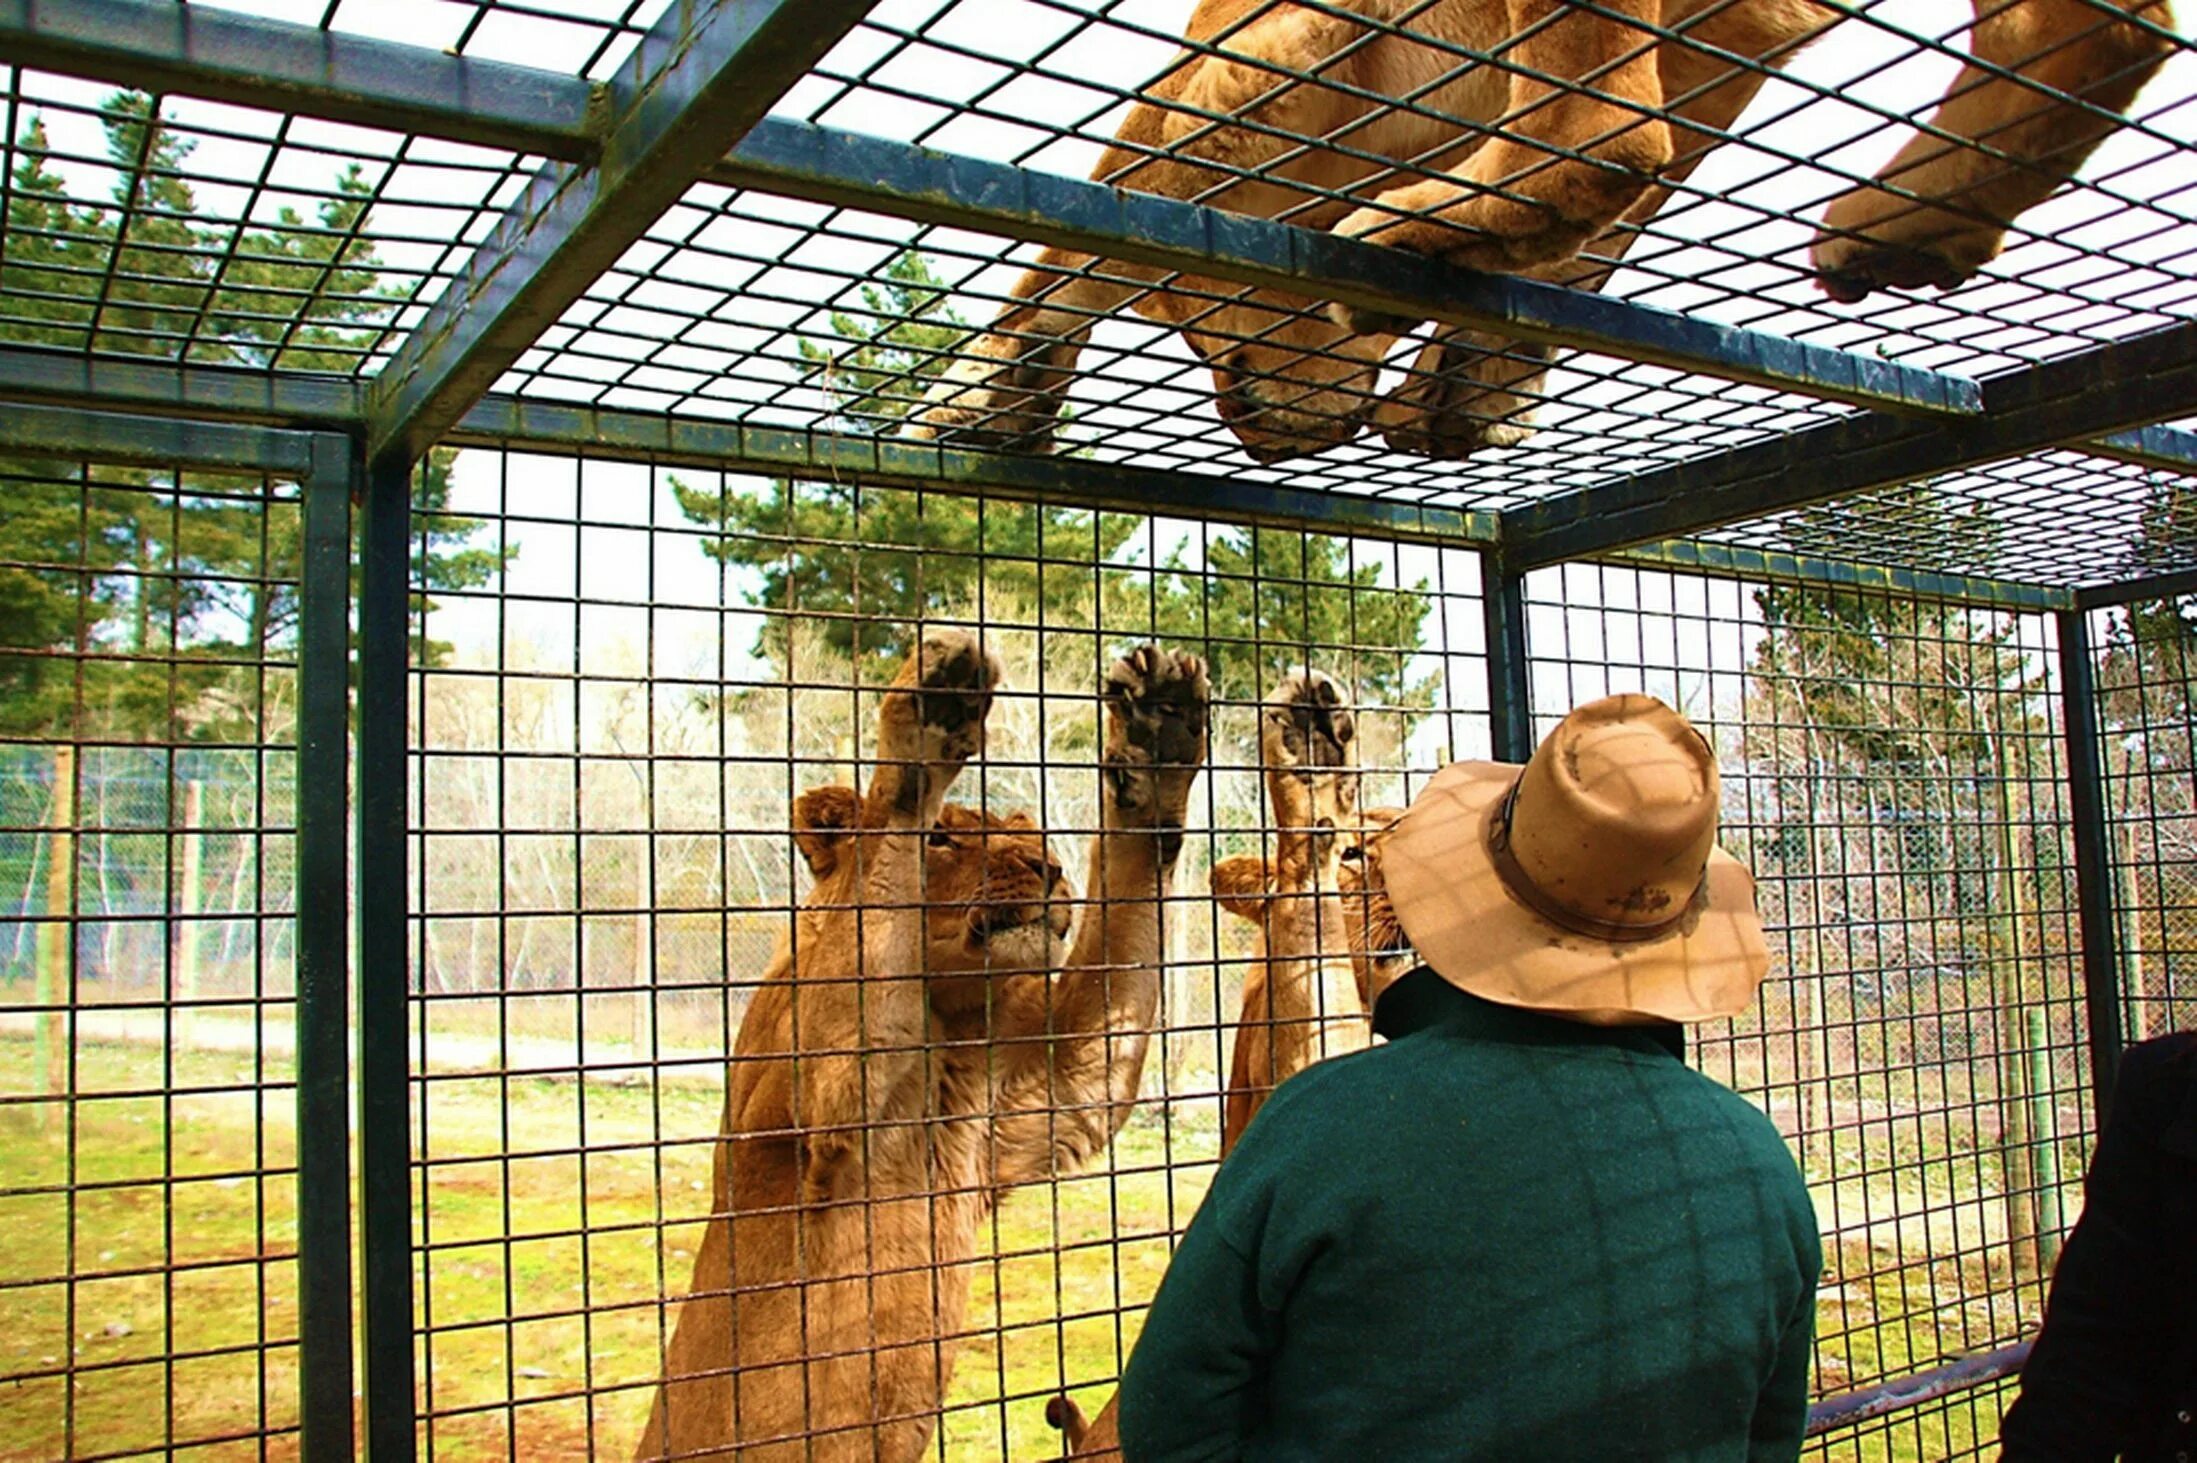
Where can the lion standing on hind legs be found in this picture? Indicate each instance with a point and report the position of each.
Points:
(1539, 135)
(917, 1049)
(1299, 1000)
(1324, 951)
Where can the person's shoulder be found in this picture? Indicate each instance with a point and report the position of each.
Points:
(2156, 1079)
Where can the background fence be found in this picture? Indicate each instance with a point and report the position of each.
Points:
(278, 568)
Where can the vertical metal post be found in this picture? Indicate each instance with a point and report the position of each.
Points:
(385, 1157)
(2093, 854)
(1510, 680)
(324, 963)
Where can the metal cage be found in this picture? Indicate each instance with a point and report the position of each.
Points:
(457, 495)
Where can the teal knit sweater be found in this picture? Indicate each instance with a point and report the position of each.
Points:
(1501, 1236)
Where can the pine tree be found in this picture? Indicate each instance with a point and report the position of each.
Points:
(874, 560)
(183, 579)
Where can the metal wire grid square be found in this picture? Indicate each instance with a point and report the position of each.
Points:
(2143, 698)
(2053, 518)
(147, 830)
(606, 750)
(1894, 773)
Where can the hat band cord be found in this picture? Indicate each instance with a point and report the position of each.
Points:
(1520, 883)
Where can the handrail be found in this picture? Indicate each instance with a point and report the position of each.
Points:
(1848, 1408)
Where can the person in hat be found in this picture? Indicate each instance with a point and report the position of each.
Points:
(2114, 1370)
(1523, 1228)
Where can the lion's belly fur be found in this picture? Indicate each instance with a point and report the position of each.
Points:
(828, 1331)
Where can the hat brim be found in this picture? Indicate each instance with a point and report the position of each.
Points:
(1465, 922)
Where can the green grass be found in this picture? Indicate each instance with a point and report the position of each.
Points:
(544, 1253)
(533, 1185)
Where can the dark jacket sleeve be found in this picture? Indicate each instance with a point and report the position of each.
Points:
(1781, 1413)
(1195, 1387)
(2107, 1326)
(1190, 1390)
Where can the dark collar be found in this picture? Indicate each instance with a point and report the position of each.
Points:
(1421, 1000)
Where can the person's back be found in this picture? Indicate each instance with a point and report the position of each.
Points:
(1553, 1240)
(1523, 1229)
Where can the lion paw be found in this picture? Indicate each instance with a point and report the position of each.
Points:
(989, 405)
(932, 721)
(1157, 706)
(1308, 724)
(1884, 243)
(1307, 736)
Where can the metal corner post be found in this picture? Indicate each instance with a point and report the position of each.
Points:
(2094, 880)
(1510, 680)
(385, 1130)
(325, 1421)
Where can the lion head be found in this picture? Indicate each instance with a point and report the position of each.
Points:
(1379, 951)
(996, 901)
(1287, 380)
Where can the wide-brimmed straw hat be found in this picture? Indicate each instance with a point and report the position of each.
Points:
(1587, 883)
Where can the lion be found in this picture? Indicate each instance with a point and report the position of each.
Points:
(926, 1040)
(1511, 165)
(1300, 1003)
(1312, 909)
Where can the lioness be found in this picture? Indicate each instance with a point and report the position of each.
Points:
(918, 1048)
(1379, 954)
(1511, 135)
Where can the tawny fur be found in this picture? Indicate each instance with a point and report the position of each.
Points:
(1299, 1004)
(1495, 169)
(1321, 902)
(911, 1055)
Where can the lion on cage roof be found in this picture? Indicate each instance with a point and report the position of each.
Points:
(932, 1035)
(1527, 137)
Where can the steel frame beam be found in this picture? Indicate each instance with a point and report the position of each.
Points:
(107, 436)
(553, 230)
(281, 66)
(383, 988)
(31, 374)
(827, 166)
(701, 77)
(2096, 897)
(2063, 402)
(338, 402)
(1729, 561)
(320, 463)
(2172, 585)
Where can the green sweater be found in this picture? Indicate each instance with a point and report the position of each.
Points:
(1502, 1236)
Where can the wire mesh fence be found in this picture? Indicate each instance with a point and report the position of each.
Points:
(1895, 772)
(147, 1060)
(2143, 691)
(1049, 412)
(615, 761)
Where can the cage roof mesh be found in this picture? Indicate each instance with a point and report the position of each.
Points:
(244, 238)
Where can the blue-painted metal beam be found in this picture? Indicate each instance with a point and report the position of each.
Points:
(701, 77)
(827, 166)
(161, 46)
(2169, 584)
(2096, 898)
(2063, 402)
(72, 432)
(30, 374)
(383, 988)
(1734, 561)
(39, 375)
(411, 89)
(2164, 449)
(326, 1426)
(890, 462)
